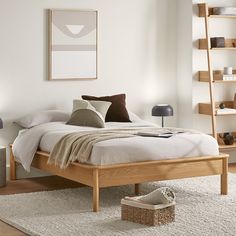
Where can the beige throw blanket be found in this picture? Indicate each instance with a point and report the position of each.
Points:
(77, 146)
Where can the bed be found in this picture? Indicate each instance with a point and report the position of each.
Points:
(117, 162)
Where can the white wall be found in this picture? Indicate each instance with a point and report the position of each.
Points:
(184, 63)
(137, 56)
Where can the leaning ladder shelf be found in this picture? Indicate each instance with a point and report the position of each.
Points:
(215, 76)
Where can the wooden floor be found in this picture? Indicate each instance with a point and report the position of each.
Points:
(41, 184)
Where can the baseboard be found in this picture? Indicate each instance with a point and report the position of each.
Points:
(8, 172)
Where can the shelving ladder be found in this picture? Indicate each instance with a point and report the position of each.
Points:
(210, 109)
(210, 72)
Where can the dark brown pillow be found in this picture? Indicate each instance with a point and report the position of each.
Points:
(117, 111)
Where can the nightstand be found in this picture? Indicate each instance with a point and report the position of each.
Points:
(2, 166)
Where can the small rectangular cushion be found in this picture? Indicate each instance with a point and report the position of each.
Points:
(117, 112)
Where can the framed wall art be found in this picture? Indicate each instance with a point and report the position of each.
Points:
(72, 44)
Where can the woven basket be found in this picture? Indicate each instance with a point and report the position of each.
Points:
(151, 215)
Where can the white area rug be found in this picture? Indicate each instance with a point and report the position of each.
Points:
(200, 210)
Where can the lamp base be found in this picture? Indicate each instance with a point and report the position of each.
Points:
(162, 121)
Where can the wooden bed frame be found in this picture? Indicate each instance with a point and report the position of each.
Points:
(133, 173)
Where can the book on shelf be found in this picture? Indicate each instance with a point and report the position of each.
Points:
(229, 77)
(225, 111)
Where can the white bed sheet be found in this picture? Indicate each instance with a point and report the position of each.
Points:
(126, 150)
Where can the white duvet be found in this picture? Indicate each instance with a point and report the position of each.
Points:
(114, 151)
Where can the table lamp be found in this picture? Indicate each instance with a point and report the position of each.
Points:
(162, 110)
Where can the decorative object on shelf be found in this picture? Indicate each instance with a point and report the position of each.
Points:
(222, 106)
(229, 44)
(228, 70)
(228, 139)
(2, 166)
(226, 111)
(162, 110)
(229, 77)
(218, 42)
(1, 124)
(72, 44)
(227, 11)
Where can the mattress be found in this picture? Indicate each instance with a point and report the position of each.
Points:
(134, 149)
(115, 151)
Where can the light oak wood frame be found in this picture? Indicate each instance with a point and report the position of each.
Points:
(210, 72)
(133, 173)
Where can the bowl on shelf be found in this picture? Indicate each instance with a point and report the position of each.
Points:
(226, 138)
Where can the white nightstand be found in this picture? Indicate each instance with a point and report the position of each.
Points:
(2, 166)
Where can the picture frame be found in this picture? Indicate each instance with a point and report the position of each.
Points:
(72, 44)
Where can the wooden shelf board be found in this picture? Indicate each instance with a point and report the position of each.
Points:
(203, 76)
(205, 108)
(226, 48)
(230, 44)
(222, 16)
(224, 81)
(201, 8)
(226, 114)
(227, 147)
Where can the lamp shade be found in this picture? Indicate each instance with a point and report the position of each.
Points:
(1, 124)
(162, 110)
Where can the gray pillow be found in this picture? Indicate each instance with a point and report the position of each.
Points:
(86, 117)
(101, 106)
(42, 117)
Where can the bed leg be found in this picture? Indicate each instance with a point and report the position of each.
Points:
(137, 189)
(95, 191)
(224, 177)
(12, 166)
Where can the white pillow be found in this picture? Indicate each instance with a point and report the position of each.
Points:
(98, 106)
(42, 117)
(101, 106)
(81, 104)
